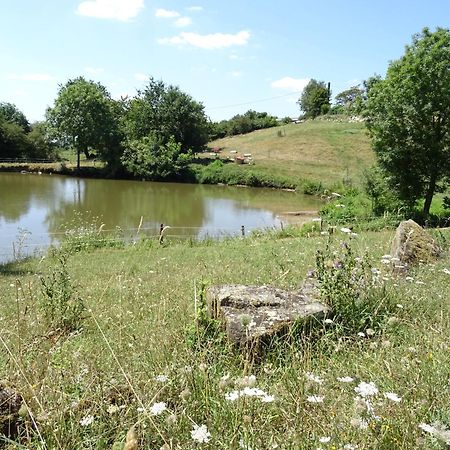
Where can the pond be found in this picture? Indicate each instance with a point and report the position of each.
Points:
(35, 210)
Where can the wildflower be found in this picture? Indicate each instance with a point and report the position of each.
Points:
(345, 379)
(203, 367)
(328, 321)
(420, 282)
(400, 306)
(346, 230)
(366, 389)
(370, 332)
(112, 409)
(171, 419)
(315, 399)
(247, 381)
(157, 408)
(200, 434)
(185, 394)
(393, 397)
(232, 396)
(161, 378)
(252, 392)
(427, 428)
(361, 334)
(350, 447)
(86, 421)
(325, 439)
(411, 279)
(357, 422)
(267, 398)
(445, 270)
(314, 378)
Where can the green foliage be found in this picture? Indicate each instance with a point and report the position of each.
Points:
(244, 123)
(149, 157)
(165, 112)
(10, 113)
(13, 141)
(205, 331)
(315, 99)
(84, 116)
(62, 308)
(352, 208)
(354, 291)
(233, 174)
(351, 100)
(42, 145)
(409, 119)
(383, 198)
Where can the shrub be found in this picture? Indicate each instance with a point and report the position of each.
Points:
(354, 290)
(62, 308)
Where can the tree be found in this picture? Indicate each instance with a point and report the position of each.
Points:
(165, 112)
(315, 99)
(10, 113)
(351, 99)
(13, 141)
(151, 158)
(83, 116)
(408, 117)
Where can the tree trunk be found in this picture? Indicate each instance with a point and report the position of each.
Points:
(429, 197)
(78, 159)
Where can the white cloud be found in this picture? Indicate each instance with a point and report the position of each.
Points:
(183, 22)
(94, 70)
(208, 41)
(141, 76)
(290, 84)
(32, 77)
(236, 74)
(166, 13)
(111, 9)
(195, 8)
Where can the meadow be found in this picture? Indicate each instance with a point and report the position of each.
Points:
(109, 347)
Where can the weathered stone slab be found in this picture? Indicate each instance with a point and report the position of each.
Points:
(412, 244)
(251, 313)
(10, 403)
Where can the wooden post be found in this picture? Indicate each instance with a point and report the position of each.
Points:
(161, 237)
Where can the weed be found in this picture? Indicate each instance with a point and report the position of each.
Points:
(62, 308)
(353, 289)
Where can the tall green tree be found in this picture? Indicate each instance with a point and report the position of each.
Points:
(351, 100)
(165, 111)
(315, 99)
(10, 113)
(84, 116)
(408, 117)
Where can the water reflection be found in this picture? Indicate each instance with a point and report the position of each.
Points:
(45, 205)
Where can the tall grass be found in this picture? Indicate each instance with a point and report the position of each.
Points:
(132, 368)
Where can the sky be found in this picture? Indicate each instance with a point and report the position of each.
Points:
(231, 56)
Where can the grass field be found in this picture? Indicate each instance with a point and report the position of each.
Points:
(321, 151)
(141, 364)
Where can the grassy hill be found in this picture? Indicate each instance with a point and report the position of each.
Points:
(322, 151)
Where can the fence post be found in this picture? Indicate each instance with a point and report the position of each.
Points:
(242, 230)
(161, 237)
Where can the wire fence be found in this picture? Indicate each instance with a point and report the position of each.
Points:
(25, 243)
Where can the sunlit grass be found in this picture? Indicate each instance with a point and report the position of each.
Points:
(133, 365)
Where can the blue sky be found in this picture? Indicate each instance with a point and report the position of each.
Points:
(231, 56)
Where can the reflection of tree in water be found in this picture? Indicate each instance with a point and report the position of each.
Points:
(123, 203)
(22, 191)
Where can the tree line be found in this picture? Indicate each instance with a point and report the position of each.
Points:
(155, 134)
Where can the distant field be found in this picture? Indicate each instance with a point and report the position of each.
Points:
(315, 150)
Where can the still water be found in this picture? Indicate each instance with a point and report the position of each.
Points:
(35, 210)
